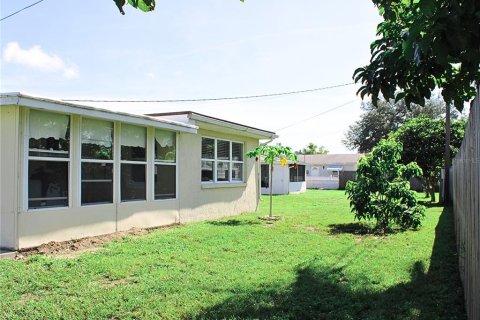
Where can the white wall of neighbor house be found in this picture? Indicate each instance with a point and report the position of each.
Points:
(297, 187)
(24, 226)
(9, 132)
(200, 200)
(281, 180)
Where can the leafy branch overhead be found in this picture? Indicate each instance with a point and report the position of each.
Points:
(144, 5)
(424, 44)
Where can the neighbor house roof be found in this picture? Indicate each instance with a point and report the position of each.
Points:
(329, 158)
(20, 99)
(233, 127)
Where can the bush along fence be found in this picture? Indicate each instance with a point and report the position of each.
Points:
(466, 205)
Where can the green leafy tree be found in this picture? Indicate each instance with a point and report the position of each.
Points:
(424, 44)
(382, 191)
(376, 123)
(271, 155)
(424, 143)
(312, 148)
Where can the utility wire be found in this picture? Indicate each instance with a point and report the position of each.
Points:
(21, 10)
(214, 99)
(317, 115)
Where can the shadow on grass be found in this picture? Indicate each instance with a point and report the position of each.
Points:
(429, 204)
(233, 223)
(320, 292)
(360, 228)
(357, 228)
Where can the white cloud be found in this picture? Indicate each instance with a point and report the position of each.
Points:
(38, 59)
(150, 75)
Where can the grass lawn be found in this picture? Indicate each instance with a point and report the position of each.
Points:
(315, 263)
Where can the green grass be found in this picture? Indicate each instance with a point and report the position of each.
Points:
(315, 263)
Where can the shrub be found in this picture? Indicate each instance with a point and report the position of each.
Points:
(382, 191)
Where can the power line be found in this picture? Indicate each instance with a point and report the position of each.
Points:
(214, 99)
(317, 115)
(21, 10)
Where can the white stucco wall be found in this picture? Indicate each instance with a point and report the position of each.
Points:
(9, 132)
(200, 201)
(297, 187)
(327, 183)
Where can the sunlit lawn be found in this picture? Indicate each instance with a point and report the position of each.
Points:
(313, 264)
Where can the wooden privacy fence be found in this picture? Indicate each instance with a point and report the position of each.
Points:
(466, 205)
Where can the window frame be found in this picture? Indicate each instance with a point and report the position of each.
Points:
(28, 158)
(97, 161)
(121, 162)
(156, 162)
(296, 175)
(230, 162)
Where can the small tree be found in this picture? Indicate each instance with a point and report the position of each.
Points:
(312, 148)
(376, 123)
(382, 191)
(270, 154)
(423, 141)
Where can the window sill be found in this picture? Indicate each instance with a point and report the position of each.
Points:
(212, 185)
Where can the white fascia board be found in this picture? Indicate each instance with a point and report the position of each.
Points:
(59, 106)
(243, 130)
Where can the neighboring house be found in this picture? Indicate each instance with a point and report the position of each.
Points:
(323, 170)
(70, 171)
(286, 179)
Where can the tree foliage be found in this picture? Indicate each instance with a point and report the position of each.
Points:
(144, 5)
(382, 191)
(423, 141)
(312, 148)
(376, 123)
(424, 44)
(271, 154)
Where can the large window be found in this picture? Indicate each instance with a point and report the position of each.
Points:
(222, 160)
(297, 173)
(133, 162)
(97, 161)
(165, 164)
(48, 159)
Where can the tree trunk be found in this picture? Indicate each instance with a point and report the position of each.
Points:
(432, 194)
(431, 189)
(271, 188)
(427, 188)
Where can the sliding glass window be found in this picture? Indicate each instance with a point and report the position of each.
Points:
(133, 162)
(48, 159)
(165, 164)
(97, 161)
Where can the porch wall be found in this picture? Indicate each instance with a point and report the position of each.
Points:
(195, 201)
(9, 132)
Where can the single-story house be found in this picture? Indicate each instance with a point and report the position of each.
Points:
(69, 171)
(286, 179)
(323, 170)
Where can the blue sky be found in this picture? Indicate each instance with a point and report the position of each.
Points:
(197, 49)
